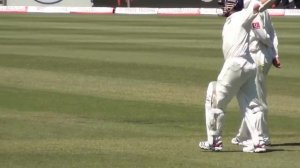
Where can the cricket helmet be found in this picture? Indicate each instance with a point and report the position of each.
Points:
(232, 5)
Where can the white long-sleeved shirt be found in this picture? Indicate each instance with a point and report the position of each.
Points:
(263, 36)
(236, 32)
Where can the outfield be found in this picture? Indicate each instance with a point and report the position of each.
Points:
(117, 91)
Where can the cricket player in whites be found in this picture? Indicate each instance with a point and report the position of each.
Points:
(237, 77)
(264, 51)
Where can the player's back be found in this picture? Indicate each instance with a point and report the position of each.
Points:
(235, 37)
(236, 33)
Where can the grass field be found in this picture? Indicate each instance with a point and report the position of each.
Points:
(82, 91)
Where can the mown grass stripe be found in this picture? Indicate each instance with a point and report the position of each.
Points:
(109, 69)
(83, 90)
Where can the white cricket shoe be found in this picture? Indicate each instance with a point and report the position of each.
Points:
(216, 146)
(236, 141)
(255, 149)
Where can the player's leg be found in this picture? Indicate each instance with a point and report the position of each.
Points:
(219, 94)
(266, 67)
(214, 121)
(264, 64)
(254, 113)
(253, 118)
(251, 105)
(262, 92)
(243, 133)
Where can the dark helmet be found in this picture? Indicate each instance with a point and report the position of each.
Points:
(232, 5)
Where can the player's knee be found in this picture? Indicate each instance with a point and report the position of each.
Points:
(256, 108)
(210, 94)
(211, 88)
(224, 94)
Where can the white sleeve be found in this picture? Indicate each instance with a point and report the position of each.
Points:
(272, 33)
(249, 14)
(266, 5)
(275, 44)
(259, 29)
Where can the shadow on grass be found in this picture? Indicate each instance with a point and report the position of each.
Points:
(276, 150)
(286, 144)
(270, 149)
(235, 151)
(283, 145)
(223, 151)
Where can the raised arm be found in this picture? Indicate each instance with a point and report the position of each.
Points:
(265, 4)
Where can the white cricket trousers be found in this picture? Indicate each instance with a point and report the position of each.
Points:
(264, 64)
(237, 77)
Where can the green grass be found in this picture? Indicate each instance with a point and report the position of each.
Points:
(127, 91)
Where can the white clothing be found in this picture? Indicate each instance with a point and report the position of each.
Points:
(263, 49)
(235, 33)
(237, 77)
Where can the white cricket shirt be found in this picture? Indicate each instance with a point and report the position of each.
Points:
(236, 33)
(263, 36)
